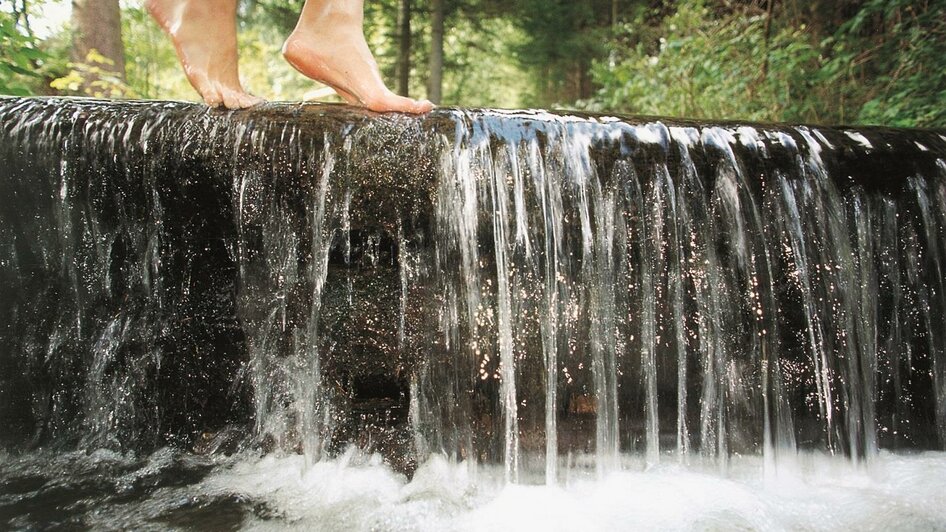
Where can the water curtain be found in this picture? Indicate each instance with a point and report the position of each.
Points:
(520, 288)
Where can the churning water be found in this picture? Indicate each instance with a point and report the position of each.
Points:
(312, 317)
(106, 490)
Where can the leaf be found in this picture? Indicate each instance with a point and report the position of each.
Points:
(94, 57)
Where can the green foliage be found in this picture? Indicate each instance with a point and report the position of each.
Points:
(263, 70)
(562, 37)
(279, 15)
(479, 69)
(19, 58)
(93, 77)
(885, 65)
(704, 66)
(899, 71)
(151, 66)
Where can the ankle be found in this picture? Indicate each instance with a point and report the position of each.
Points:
(312, 33)
(331, 17)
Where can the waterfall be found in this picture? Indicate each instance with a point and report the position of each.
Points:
(527, 289)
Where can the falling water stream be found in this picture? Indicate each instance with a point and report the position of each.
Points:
(311, 316)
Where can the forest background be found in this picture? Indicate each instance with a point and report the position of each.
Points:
(811, 61)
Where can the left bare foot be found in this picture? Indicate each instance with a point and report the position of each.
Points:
(328, 45)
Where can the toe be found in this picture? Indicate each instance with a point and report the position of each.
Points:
(242, 100)
(245, 100)
(237, 98)
(231, 98)
(409, 105)
(423, 106)
(393, 102)
(208, 90)
(212, 97)
(252, 100)
(214, 101)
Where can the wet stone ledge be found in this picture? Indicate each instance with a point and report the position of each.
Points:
(300, 276)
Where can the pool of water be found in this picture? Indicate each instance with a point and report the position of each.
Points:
(173, 490)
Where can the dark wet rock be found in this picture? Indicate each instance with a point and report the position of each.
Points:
(219, 281)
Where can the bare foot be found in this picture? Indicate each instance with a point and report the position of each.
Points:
(328, 45)
(204, 35)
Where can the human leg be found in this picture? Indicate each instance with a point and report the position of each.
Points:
(204, 35)
(329, 45)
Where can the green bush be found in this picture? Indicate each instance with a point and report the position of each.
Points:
(899, 72)
(19, 58)
(885, 65)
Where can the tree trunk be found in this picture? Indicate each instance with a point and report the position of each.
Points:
(435, 82)
(404, 46)
(97, 24)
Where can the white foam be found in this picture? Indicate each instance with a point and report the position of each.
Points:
(688, 136)
(359, 492)
(814, 492)
(749, 137)
(823, 139)
(653, 133)
(859, 138)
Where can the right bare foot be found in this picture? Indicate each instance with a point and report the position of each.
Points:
(328, 45)
(204, 35)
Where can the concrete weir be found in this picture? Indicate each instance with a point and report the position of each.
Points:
(509, 287)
